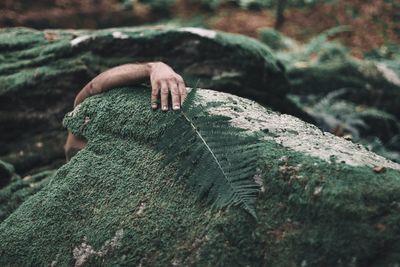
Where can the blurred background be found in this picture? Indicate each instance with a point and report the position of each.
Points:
(372, 23)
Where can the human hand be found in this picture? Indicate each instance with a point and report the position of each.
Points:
(164, 81)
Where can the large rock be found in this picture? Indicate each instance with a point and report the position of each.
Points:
(320, 201)
(42, 71)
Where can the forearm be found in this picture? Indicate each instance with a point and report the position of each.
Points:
(118, 76)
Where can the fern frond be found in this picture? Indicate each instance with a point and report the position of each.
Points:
(320, 40)
(217, 160)
(329, 98)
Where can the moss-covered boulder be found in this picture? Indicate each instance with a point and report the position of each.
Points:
(367, 83)
(323, 201)
(322, 66)
(206, 58)
(6, 172)
(42, 71)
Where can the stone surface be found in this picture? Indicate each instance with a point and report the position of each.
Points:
(320, 203)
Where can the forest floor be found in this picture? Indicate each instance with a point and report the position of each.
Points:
(372, 23)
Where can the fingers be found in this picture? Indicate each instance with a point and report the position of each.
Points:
(155, 91)
(182, 90)
(164, 95)
(173, 87)
(161, 88)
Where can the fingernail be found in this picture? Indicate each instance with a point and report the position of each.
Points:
(176, 107)
(164, 108)
(154, 106)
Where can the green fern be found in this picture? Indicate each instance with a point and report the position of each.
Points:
(321, 41)
(217, 160)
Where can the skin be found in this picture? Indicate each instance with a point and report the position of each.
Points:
(164, 82)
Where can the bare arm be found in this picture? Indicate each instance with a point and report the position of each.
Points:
(115, 77)
(164, 81)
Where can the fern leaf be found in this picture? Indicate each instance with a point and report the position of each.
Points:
(217, 161)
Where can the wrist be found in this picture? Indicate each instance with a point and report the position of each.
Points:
(151, 67)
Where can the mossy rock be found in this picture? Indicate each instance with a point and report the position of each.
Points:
(6, 173)
(42, 71)
(206, 58)
(20, 189)
(368, 83)
(322, 66)
(115, 204)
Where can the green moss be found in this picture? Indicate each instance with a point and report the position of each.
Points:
(6, 172)
(19, 190)
(54, 65)
(312, 212)
(59, 58)
(341, 223)
(42, 71)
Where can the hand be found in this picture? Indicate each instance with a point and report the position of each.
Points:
(165, 81)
